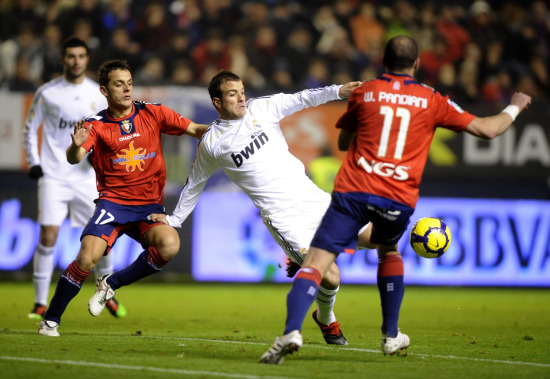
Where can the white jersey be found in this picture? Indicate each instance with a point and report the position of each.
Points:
(253, 153)
(57, 106)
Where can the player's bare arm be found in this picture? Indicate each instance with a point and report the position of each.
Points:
(196, 130)
(75, 152)
(159, 217)
(347, 89)
(493, 126)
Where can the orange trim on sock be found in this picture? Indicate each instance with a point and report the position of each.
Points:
(309, 273)
(391, 265)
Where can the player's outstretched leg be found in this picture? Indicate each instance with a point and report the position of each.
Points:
(392, 289)
(68, 286)
(299, 299)
(325, 304)
(147, 263)
(331, 333)
(324, 314)
(287, 344)
(105, 266)
(103, 294)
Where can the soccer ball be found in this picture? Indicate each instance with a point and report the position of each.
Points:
(430, 237)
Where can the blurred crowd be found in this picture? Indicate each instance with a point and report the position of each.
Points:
(471, 50)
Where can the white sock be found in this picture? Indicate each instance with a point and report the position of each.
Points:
(104, 266)
(42, 273)
(325, 303)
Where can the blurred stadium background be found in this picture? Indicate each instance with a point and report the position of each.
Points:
(494, 195)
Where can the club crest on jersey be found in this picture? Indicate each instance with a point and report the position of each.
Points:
(256, 124)
(126, 127)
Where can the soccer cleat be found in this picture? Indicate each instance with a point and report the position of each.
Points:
(332, 333)
(103, 294)
(390, 345)
(37, 313)
(115, 308)
(287, 344)
(48, 328)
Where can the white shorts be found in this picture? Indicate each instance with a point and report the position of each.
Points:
(59, 199)
(293, 228)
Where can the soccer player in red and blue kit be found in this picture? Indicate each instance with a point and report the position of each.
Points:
(387, 130)
(125, 141)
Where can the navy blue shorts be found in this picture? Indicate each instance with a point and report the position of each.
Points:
(111, 220)
(349, 212)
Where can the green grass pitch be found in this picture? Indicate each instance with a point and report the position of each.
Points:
(221, 330)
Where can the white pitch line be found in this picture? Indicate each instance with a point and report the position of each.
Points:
(368, 351)
(138, 368)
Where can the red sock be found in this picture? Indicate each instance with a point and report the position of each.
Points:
(390, 265)
(75, 275)
(155, 258)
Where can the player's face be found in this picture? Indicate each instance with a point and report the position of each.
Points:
(119, 91)
(232, 105)
(75, 62)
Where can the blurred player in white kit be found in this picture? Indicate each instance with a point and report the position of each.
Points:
(63, 189)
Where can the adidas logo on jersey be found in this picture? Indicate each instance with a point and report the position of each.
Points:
(258, 140)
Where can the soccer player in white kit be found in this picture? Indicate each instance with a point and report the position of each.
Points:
(247, 143)
(63, 189)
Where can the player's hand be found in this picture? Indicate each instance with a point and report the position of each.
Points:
(81, 133)
(346, 90)
(291, 268)
(159, 217)
(35, 172)
(520, 100)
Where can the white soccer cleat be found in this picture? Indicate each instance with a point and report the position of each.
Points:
(103, 294)
(287, 344)
(48, 328)
(390, 345)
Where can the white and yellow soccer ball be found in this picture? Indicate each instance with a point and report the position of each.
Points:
(430, 237)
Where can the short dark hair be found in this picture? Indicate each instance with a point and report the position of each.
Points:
(400, 53)
(215, 85)
(107, 67)
(74, 42)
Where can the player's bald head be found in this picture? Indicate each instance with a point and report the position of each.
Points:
(400, 53)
